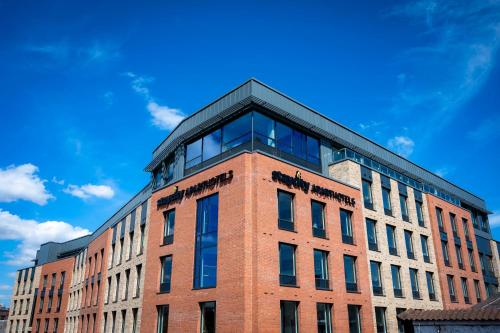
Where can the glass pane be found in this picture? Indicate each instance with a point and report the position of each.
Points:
(409, 245)
(287, 260)
(264, 129)
(207, 317)
(193, 153)
(349, 269)
(285, 211)
(371, 231)
(380, 319)
(288, 317)
(212, 145)
(313, 150)
(354, 320)
(320, 265)
(396, 283)
(317, 215)
(283, 137)
(390, 237)
(386, 198)
(208, 267)
(299, 144)
(236, 132)
(345, 222)
(375, 271)
(324, 317)
(367, 192)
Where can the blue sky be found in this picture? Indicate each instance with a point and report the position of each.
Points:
(88, 89)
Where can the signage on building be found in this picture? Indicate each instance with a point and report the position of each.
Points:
(208, 184)
(305, 186)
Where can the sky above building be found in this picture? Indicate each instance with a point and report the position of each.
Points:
(88, 89)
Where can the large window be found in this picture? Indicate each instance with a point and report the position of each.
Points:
(367, 194)
(386, 199)
(324, 316)
(166, 274)
(168, 227)
(321, 269)
(380, 320)
(439, 216)
(451, 288)
(289, 321)
(477, 289)
(371, 232)
(376, 278)
(266, 131)
(465, 224)
(446, 255)
(409, 244)
(318, 219)
(205, 268)
(453, 222)
(415, 287)
(285, 211)
(424, 242)
(396, 281)
(430, 285)
(207, 311)
(391, 239)
(350, 273)
(403, 203)
(420, 214)
(460, 260)
(287, 264)
(353, 312)
(472, 262)
(465, 290)
(346, 226)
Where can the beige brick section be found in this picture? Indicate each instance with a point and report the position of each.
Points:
(496, 260)
(350, 172)
(126, 300)
(21, 304)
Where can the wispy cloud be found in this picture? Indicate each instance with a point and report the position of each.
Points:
(23, 183)
(402, 145)
(444, 171)
(31, 234)
(458, 44)
(163, 117)
(494, 220)
(90, 190)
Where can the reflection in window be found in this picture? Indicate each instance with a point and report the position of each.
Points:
(193, 153)
(264, 129)
(237, 132)
(380, 319)
(285, 211)
(430, 285)
(376, 278)
(207, 310)
(287, 264)
(318, 219)
(211, 144)
(321, 269)
(324, 317)
(346, 226)
(396, 281)
(289, 322)
(350, 273)
(371, 233)
(354, 318)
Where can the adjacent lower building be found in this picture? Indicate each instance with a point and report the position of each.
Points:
(262, 215)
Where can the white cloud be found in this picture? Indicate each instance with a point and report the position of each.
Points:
(163, 117)
(402, 145)
(32, 234)
(22, 183)
(90, 190)
(444, 171)
(57, 181)
(494, 220)
(5, 287)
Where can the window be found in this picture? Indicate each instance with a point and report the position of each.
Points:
(166, 274)
(124, 316)
(324, 316)
(211, 145)
(354, 318)
(396, 281)
(404, 207)
(121, 251)
(113, 321)
(430, 285)
(287, 265)
(483, 265)
(162, 318)
(207, 310)
(380, 319)
(117, 287)
(371, 232)
(391, 239)
(376, 278)
(127, 280)
(46, 326)
(61, 283)
(141, 240)
(236, 132)
(477, 289)
(138, 270)
(350, 273)
(491, 270)
(263, 128)
(285, 211)
(367, 194)
(401, 325)
(424, 242)
(109, 290)
(409, 244)
(58, 303)
(49, 304)
(472, 263)
(465, 224)
(453, 222)
(207, 215)
(56, 324)
(321, 269)
(415, 288)
(168, 227)
(420, 214)
(439, 216)
(451, 288)
(289, 322)
(465, 290)
(446, 256)
(193, 153)
(134, 322)
(458, 250)
(130, 246)
(318, 219)
(346, 226)
(386, 199)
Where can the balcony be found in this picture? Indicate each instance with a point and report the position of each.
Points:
(410, 255)
(432, 296)
(346, 239)
(372, 246)
(351, 287)
(416, 294)
(168, 239)
(398, 292)
(427, 259)
(393, 251)
(322, 284)
(285, 225)
(317, 232)
(378, 291)
(288, 280)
